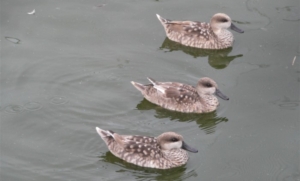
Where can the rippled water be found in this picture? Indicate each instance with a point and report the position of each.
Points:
(67, 69)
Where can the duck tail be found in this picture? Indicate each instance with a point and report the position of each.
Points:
(162, 20)
(156, 85)
(105, 134)
(139, 86)
(109, 136)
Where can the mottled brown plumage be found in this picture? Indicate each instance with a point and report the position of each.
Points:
(213, 35)
(163, 152)
(182, 97)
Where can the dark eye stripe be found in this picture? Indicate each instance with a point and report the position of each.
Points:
(174, 139)
(207, 84)
(223, 20)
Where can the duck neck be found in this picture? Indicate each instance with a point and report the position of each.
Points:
(225, 36)
(174, 157)
(209, 102)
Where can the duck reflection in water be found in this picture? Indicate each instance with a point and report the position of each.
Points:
(141, 173)
(217, 59)
(207, 121)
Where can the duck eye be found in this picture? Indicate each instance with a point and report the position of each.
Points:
(207, 84)
(223, 20)
(174, 139)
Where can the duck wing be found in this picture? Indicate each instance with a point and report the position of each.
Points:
(191, 28)
(177, 91)
(143, 146)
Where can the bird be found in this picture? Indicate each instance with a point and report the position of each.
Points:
(162, 152)
(213, 35)
(182, 97)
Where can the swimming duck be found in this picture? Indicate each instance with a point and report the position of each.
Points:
(182, 97)
(213, 35)
(162, 152)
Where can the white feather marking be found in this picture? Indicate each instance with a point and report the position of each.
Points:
(108, 132)
(152, 81)
(160, 89)
(158, 16)
(32, 12)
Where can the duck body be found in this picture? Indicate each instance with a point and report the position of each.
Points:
(162, 152)
(213, 35)
(182, 97)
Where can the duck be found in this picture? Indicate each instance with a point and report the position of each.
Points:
(182, 97)
(162, 152)
(213, 35)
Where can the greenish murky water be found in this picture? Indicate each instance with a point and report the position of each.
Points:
(67, 69)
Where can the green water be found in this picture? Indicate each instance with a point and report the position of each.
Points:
(67, 69)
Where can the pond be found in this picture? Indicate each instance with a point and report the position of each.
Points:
(66, 68)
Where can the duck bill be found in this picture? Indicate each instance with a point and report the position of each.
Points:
(221, 95)
(188, 148)
(234, 28)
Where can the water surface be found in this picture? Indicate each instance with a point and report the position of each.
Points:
(67, 69)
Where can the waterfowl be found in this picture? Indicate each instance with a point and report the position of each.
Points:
(182, 97)
(213, 35)
(162, 152)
